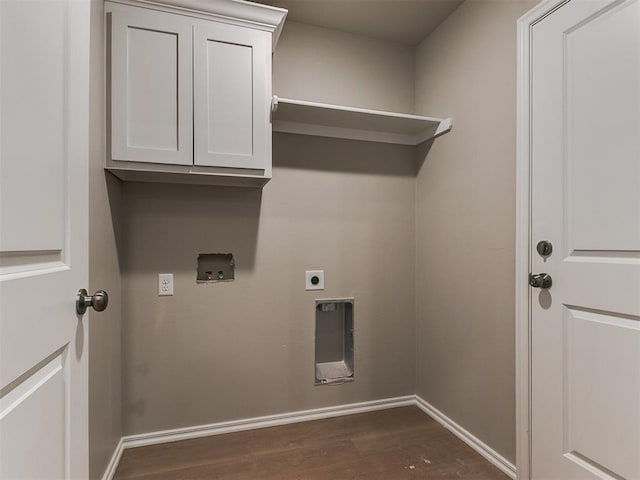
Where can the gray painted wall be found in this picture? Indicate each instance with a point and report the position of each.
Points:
(105, 368)
(234, 350)
(328, 66)
(465, 221)
(227, 351)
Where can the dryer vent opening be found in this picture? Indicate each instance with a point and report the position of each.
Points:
(334, 341)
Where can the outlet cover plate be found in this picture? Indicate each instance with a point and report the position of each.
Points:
(165, 284)
(310, 283)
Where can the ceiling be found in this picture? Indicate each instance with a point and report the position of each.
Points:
(404, 21)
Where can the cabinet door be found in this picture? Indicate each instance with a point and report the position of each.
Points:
(232, 95)
(151, 86)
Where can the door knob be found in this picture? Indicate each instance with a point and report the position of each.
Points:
(98, 301)
(540, 280)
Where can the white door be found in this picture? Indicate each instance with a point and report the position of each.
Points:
(151, 85)
(232, 96)
(44, 112)
(585, 200)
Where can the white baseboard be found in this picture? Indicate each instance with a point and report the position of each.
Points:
(165, 436)
(467, 437)
(220, 428)
(263, 422)
(115, 460)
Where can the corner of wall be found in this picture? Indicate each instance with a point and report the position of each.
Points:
(465, 220)
(105, 379)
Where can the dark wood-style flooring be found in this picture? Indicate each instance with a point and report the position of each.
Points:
(399, 443)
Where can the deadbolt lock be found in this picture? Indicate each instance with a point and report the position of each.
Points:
(544, 248)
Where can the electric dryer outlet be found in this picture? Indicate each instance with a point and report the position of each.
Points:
(314, 280)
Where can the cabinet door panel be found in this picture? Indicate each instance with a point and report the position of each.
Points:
(151, 87)
(229, 103)
(232, 68)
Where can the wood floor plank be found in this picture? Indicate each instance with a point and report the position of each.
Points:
(399, 443)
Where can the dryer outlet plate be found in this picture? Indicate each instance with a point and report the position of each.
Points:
(314, 280)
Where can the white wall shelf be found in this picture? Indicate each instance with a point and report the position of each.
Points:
(324, 120)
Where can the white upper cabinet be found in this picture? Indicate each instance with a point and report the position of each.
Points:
(151, 86)
(232, 85)
(190, 90)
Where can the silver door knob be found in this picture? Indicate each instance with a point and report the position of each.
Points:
(98, 301)
(540, 280)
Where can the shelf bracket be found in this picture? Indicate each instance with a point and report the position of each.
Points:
(445, 126)
(274, 106)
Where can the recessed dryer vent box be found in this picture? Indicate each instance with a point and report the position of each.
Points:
(334, 341)
(215, 267)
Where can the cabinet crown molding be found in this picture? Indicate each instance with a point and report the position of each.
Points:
(254, 15)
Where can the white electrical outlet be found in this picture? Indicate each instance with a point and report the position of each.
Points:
(165, 284)
(314, 280)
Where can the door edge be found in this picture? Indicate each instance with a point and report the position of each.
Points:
(523, 234)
